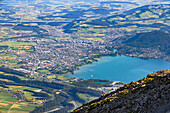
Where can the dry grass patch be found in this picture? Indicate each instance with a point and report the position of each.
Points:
(1, 72)
(16, 106)
(16, 87)
(24, 104)
(4, 104)
(8, 102)
(18, 112)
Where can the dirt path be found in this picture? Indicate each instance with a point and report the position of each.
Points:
(11, 107)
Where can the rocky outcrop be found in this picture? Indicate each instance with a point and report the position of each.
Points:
(148, 95)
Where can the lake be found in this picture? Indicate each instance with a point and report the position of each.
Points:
(120, 68)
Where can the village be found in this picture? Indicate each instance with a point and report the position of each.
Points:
(49, 56)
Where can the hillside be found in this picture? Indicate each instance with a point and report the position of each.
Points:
(153, 44)
(145, 18)
(150, 94)
(150, 39)
(21, 93)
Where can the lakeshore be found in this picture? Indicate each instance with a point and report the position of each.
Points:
(120, 68)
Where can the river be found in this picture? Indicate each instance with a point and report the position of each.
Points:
(120, 68)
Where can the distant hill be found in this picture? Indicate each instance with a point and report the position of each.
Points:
(156, 39)
(153, 44)
(148, 95)
(145, 18)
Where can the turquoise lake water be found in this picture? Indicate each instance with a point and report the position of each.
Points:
(120, 68)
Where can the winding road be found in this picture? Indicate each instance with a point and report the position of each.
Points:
(74, 103)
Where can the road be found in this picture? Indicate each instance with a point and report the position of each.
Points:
(74, 102)
(52, 110)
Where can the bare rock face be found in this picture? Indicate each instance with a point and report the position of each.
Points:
(148, 95)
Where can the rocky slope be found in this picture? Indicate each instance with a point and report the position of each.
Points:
(148, 95)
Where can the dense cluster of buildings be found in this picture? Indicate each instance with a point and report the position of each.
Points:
(62, 54)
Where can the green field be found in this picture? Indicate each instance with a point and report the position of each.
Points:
(14, 43)
(43, 71)
(8, 103)
(52, 77)
(63, 77)
(13, 104)
(6, 55)
(86, 97)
